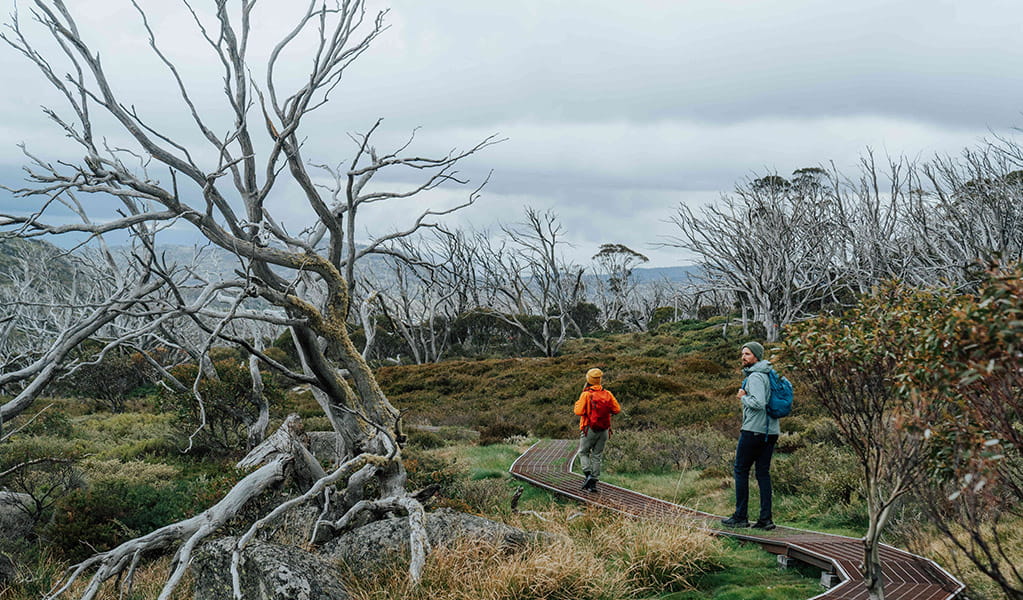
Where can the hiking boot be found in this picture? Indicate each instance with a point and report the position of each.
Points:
(734, 522)
(766, 525)
(590, 485)
(587, 481)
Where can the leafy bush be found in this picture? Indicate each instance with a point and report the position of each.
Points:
(103, 516)
(228, 402)
(829, 474)
(53, 423)
(114, 509)
(111, 379)
(425, 439)
(799, 432)
(426, 468)
(662, 450)
(495, 433)
(49, 469)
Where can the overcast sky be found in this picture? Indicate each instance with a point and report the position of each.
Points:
(614, 112)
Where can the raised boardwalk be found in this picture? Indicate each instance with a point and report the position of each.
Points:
(548, 464)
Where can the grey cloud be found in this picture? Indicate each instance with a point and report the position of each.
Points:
(609, 105)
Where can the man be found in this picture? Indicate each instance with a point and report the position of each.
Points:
(594, 407)
(757, 438)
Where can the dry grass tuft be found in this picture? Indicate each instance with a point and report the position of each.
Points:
(148, 580)
(593, 557)
(659, 555)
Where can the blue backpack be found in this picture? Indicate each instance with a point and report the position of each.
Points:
(780, 404)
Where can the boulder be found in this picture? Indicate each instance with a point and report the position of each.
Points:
(268, 572)
(382, 542)
(15, 521)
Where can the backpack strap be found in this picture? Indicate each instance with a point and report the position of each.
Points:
(589, 409)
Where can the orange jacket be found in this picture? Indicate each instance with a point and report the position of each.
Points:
(595, 396)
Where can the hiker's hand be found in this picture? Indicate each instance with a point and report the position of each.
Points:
(741, 393)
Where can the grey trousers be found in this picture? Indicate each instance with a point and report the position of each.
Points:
(591, 450)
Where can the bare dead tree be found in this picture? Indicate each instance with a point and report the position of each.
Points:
(223, 188)
(647, 298)
(535, 287)
(877, 216)
(771, 243)
(977, 211)
(617, 288)
(422, 293)
(52, 302)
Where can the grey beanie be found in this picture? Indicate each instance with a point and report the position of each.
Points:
(756, 348)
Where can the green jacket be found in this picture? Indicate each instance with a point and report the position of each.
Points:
(754, 403)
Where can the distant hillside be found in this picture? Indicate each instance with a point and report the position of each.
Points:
(673, 274)
(216, 261)
(42, 254)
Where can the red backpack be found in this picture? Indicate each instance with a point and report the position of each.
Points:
(599, 408)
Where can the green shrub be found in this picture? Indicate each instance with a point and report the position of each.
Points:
(49, 423)
(112, 379)
(425, 439)
(426, 468)
(55, 475)
(103, 516)
(664, 450)
(118, 507)
(828, 474)
(495, 433)
(228, 402)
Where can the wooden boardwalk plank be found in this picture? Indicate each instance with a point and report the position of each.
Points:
(548, 464)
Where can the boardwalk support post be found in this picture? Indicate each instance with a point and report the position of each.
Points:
(828, 579)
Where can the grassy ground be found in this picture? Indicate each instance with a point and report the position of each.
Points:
(749, 573)
(740, 570)
(674, 441)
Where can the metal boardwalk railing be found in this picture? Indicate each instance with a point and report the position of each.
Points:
(548, 464)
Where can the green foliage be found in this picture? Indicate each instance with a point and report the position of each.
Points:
(102, 516)
(661, 315)
(972, 360)
(827, 474)
(48, 470)
(800, 431)
(495, 433)
(228, 403)
(125, 500)
(425, 440)
(852, 364)
(426, 468)
(664, 450)
(111, 379)
(53, 423)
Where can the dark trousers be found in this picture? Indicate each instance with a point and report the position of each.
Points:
(753, 449)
